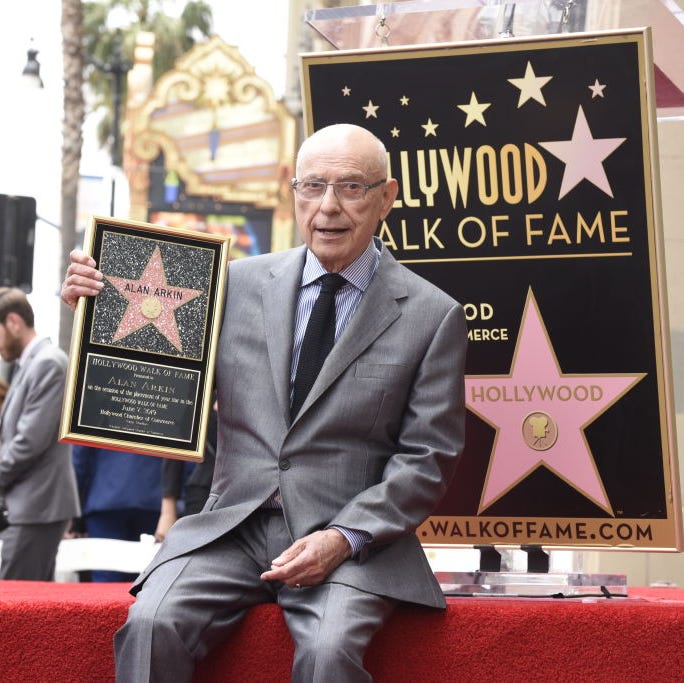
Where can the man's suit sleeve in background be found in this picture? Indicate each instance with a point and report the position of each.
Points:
(172, 478)
(82, 458)
(38, 424)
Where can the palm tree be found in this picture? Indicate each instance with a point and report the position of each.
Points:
(72, 140)
(174, 36)
(85, 32)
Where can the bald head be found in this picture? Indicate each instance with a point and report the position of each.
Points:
(342, 138)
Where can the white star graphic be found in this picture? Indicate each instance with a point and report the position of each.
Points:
(395, 132)
(430, 128)
(530, 86)
(404, 101)
(346, 91)
(583, 156)
(596, 89)
(371, 109)
(474, 110)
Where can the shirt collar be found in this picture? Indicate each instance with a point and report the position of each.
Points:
(359, 273)
(27, 350)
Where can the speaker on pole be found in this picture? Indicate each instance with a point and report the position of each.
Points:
(17, 235)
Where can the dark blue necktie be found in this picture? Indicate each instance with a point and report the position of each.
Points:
(318, 340)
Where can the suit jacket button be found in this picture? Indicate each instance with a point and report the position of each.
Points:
(284, 464)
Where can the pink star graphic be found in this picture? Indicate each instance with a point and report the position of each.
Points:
(583, 156)
(151, 300)
(540, 414)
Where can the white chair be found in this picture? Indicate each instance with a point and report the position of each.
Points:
(109, 554)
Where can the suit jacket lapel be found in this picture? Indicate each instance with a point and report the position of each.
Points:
(377, 310)
(279, 298)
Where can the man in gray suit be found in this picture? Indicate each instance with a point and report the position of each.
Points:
(37, 481)
(313, 508)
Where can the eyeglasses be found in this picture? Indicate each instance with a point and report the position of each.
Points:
(345, 191)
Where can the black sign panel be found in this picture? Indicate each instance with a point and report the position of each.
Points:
(527, 192)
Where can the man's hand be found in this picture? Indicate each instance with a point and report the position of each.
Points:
(82, 278)
(76, 529)
(309, 560)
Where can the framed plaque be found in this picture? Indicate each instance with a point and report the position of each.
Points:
(142, 357)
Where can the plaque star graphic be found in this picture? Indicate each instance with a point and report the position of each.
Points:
(395, 132)
(371, 109)
(530, 86)
(430, 128)
(596, 89)
(404, 101)
(540, 415)
(346, 91)
(151, 300)
(474, 110)
(583, 156)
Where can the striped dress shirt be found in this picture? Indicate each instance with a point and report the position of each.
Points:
(358, 275)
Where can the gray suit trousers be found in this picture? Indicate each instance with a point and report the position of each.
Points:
(191, 603)
(29, 551)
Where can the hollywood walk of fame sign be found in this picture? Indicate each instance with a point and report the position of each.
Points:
(142, 356)
(528, 190)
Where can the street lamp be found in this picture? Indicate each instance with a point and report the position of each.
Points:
(117, 68)
(31, 72)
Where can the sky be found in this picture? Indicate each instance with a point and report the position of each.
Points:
(255, 27)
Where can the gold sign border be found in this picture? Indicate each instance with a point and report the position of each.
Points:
(669, 539)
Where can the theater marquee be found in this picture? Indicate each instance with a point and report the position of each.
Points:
(528, 191)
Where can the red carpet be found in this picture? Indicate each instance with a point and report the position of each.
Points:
(62, 633)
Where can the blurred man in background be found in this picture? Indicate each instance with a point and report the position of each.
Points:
(37, 481)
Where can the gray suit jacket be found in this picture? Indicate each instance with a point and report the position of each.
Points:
(36, 473)
(377, 440)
